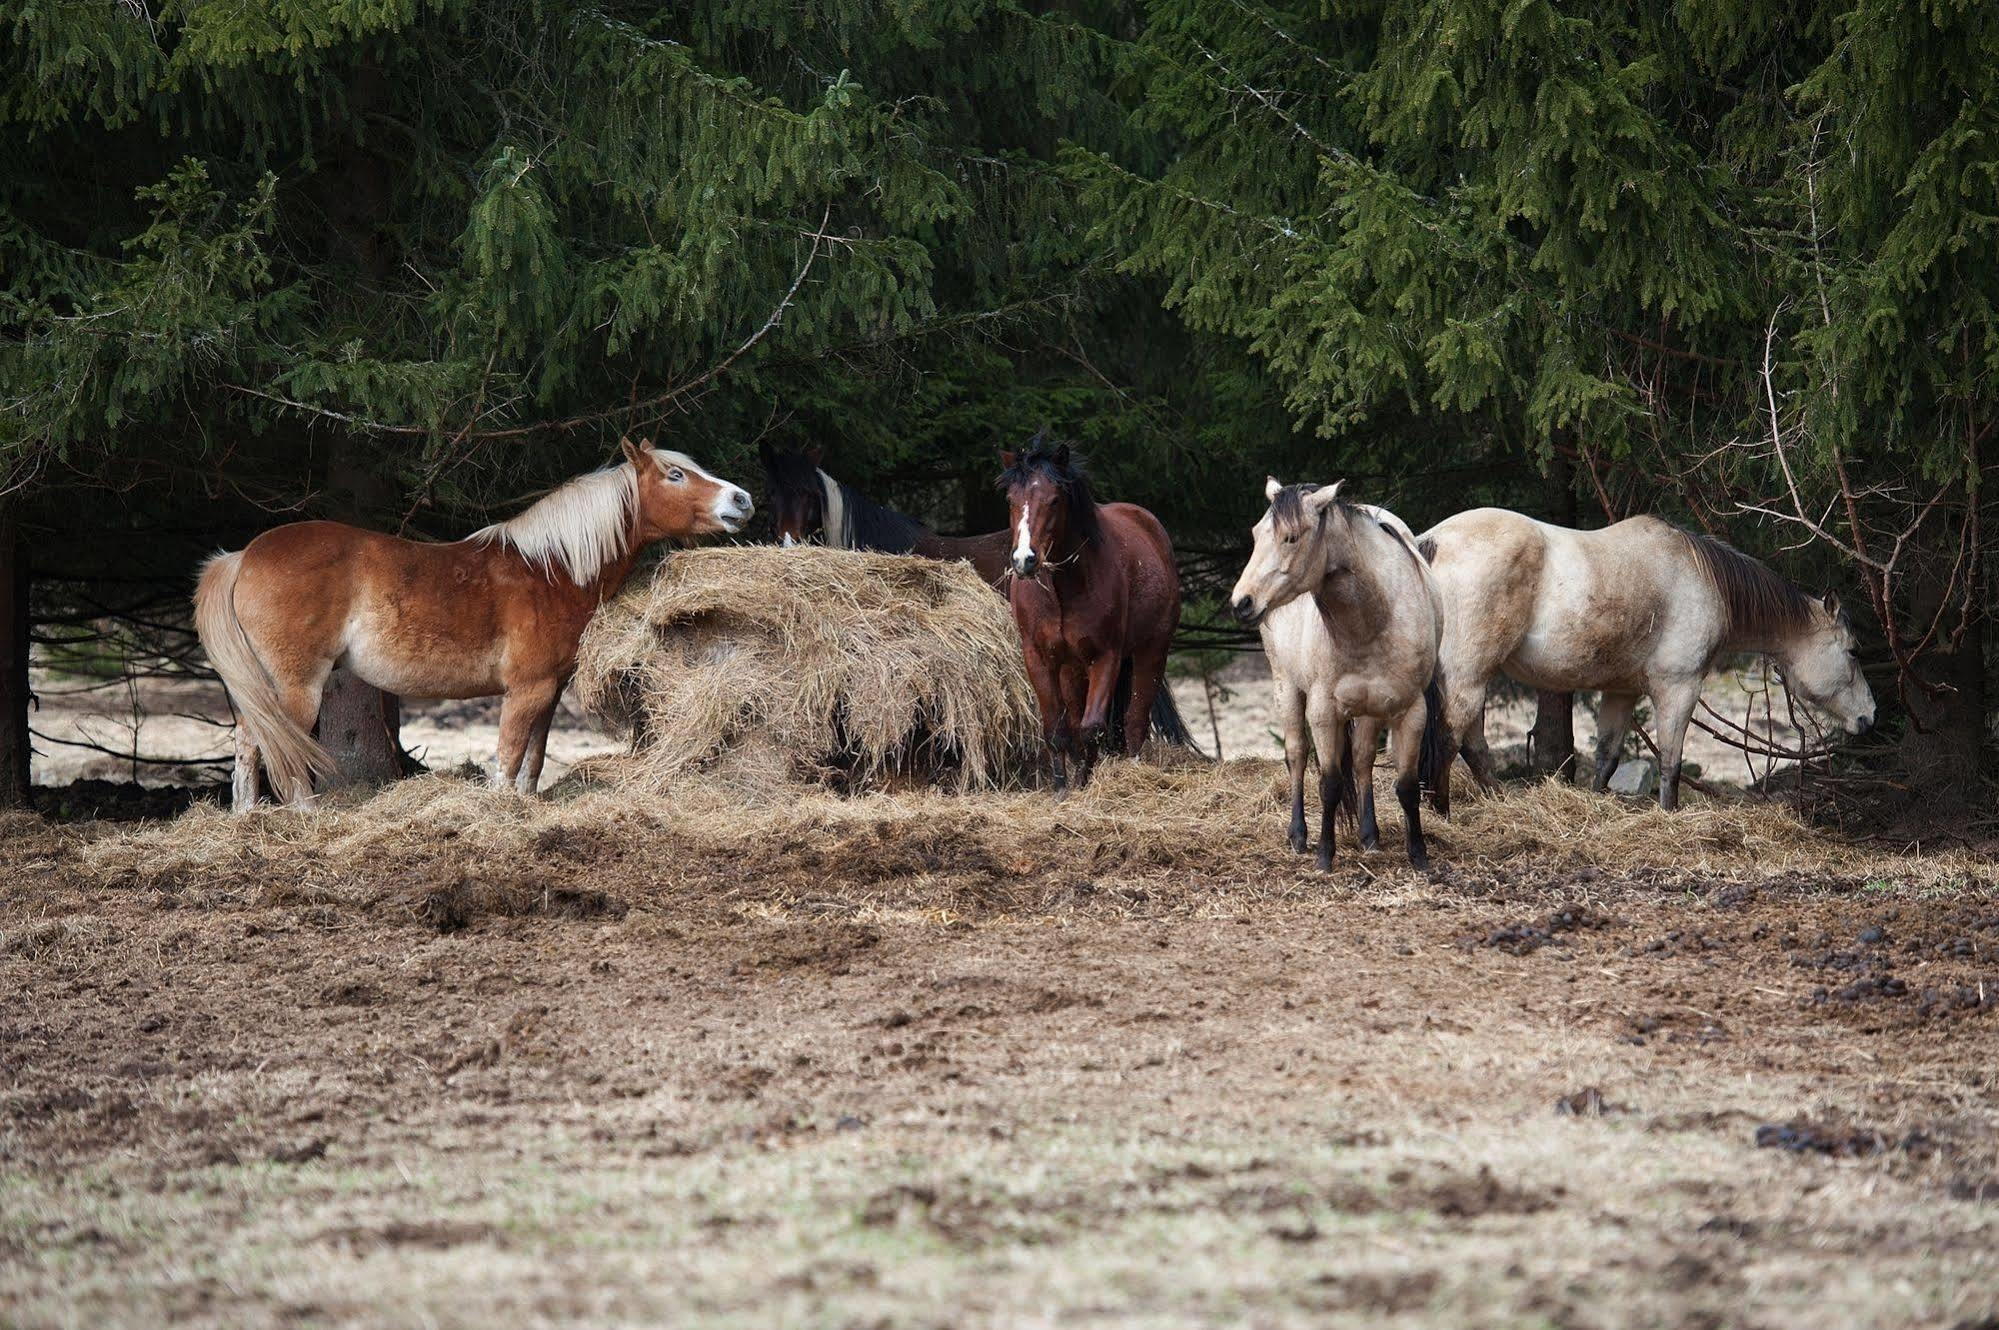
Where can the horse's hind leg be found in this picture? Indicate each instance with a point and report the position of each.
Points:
(1366, 738)
(245, 780)
(301, 703)
(1408, 741)
(1613, 718)
(1674, 708)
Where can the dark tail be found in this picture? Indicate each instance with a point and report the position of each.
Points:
(1343, 779)
(1166, 722)
(1433, 764)
(1165, 718)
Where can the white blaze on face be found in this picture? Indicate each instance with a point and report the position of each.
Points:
(1023, 547)
(731, 506)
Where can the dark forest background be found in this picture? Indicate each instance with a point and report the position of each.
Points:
(407, 263)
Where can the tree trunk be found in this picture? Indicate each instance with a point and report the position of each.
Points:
(1946, 750)
(360, 725)
(15, 751)
(1551, 744)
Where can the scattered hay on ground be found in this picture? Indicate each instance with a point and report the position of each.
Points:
(1194, 838)
(772, 663)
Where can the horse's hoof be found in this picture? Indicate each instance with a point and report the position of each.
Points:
(1370, 844)
(1300, 845)
(1324, 861)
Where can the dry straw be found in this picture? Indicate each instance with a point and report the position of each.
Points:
(1189, 837)
(765, 663)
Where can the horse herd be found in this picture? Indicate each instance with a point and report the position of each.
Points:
(1369, 628)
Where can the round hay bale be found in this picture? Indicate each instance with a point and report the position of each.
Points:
(789, 662)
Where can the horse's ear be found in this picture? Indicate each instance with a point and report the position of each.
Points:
(1319, 500)
(1008, 459)
(766, 453)
(630, 449)
(1272, 487)
(814, 453)
(1062, 455)
(1831, 602)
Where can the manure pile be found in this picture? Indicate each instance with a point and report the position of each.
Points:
(784, 664)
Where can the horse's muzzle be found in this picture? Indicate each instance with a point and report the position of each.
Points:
(734, 510)
(1246, 612)
(1862, 725)
(1024, 565)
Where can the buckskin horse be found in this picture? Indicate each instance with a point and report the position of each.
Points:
(499, 612)
(1384, 625)
(1638, 608)
(1096, 598)
(808, 505)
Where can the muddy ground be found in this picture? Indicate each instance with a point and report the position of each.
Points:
(989, 1062)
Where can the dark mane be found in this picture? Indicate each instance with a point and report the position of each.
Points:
(1287, 510)
(876, 526)
(865, 524)
(1065, 468)
(1757, 600)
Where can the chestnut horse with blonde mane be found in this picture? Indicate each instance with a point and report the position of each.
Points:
(499, 612)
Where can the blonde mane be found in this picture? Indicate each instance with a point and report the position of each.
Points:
(580, 526)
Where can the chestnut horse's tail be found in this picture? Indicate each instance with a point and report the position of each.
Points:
(292, 755)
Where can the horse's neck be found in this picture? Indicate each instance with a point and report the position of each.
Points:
(609, 580)
(1354, 601)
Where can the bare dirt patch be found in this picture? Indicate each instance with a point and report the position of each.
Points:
(916, 1059)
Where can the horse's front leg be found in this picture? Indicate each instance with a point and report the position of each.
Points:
(522, 708)
(537, 753)
(1613, 718)
(1099, 692)
(1674, 705)
(1043, 678)
(1297, 753)
(1366, 738)
(1329, 736)
(1075, 684)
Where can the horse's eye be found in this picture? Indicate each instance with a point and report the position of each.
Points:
(676, 475)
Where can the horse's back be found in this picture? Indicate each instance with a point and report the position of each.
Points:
(1563, 608)
(1153, 579)
(420, 618)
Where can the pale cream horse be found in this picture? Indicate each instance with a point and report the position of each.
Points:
(1353, 626)
(1639, 608)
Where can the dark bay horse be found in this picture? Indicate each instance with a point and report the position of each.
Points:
(1096, 597)
(499, 612)
(809, 505)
